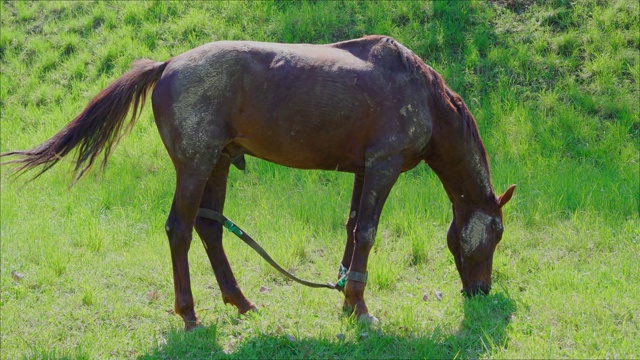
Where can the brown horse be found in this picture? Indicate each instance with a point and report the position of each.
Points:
(368, 106)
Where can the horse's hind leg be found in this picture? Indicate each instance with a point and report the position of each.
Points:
(179, 227)
(211, 234)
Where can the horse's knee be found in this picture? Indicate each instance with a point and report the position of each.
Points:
(176, 232)
(169, 228)
(365, 236)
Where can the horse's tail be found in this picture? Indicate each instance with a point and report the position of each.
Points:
(99, 126)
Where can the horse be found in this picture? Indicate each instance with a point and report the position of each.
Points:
(367, 106)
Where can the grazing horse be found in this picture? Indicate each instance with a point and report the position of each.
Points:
(368, 106)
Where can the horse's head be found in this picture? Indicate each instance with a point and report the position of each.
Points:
(472, 238)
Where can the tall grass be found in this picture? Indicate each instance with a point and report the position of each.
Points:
(553, 86)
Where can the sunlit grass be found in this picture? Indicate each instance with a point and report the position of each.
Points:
(554, 88)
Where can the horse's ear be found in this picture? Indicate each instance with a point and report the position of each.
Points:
(506, 196)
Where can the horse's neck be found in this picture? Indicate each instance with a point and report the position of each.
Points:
(458, 157)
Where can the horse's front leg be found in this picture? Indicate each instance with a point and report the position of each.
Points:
(378, 180)
(211, 234)
(358, 182)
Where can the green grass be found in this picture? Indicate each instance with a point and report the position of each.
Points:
(553, 86)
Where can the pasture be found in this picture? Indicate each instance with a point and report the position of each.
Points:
(85, 271)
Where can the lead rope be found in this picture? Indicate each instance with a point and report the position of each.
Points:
(343, 273)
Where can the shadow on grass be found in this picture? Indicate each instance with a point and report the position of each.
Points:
(482, 332)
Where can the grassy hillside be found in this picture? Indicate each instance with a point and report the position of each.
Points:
(553, 86)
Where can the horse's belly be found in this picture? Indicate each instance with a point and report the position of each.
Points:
(328, 150)
(316, 124)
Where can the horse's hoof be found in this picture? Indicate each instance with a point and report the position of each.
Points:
(246, 306)
(249, 310)
(368, 319)
(190, 325)
(346, 308)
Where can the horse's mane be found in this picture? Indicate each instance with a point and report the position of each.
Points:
(444, 95)
(447, 97)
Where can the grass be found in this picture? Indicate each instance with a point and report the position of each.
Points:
(553, 86)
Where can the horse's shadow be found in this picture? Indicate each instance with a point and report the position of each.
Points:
(481, 332)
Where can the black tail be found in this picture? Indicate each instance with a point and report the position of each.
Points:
(98, 127)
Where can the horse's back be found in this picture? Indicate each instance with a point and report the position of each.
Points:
(211, 67)
(300, 105)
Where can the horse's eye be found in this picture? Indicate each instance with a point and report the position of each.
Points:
(497, 227)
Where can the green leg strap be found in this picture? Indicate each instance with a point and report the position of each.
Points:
(346, 275)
